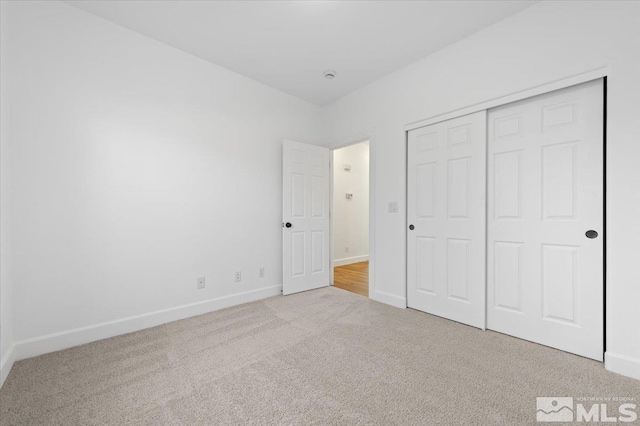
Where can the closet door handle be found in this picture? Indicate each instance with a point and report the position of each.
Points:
(412, 227)
(591, 234)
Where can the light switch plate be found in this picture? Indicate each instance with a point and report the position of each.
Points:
(393, 207)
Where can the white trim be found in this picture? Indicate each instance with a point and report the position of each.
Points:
(6, 363)
(622, 364)
(350, 260)
(352, 140)
(388, 299)
(79, 336)
(513, 97)
(341, 143)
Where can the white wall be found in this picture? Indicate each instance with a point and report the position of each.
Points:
(350, 217)
(6, 325)
(542, 44)
(135, 168)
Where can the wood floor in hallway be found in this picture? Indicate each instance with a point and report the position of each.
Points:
(353, 278)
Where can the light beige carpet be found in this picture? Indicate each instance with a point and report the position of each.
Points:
(322, 357)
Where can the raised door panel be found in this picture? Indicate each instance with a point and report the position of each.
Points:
(427, 142)
(508, 127)
(298, 195)
(508, 275)
(507, 185)
(559, 181)
(560, 283)
(298, 253)
(426, 190)
(458, 135)
(317, 196)
(458, 269)
(317, 252)
(458, 188)
(425, 264)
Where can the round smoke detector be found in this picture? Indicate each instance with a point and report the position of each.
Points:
(330, 74)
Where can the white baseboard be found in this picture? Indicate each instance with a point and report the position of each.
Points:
(389, 299)
(6, 363)
(350, 260)
(622, 364)
(57, 341)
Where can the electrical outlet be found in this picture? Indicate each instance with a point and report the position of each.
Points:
(201, 282)
(346, 249)
(261, 272)
(238, 276)
(393, 207)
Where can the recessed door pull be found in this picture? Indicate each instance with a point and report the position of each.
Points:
(591, 234)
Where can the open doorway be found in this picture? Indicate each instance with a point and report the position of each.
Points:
(350, 218)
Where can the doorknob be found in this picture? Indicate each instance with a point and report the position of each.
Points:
(591, 234)
(288, 225)
(412, 227)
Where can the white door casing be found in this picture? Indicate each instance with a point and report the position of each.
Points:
(446, 193)
(545, 188)
(305, 207)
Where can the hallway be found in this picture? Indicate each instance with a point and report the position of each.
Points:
(353, 278)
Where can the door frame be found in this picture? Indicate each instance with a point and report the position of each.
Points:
(603, 73)
(343, 143)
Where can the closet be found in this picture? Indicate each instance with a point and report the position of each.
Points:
(506, 219)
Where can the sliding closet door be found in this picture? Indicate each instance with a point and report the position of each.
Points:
(545, 220)
(446, 216)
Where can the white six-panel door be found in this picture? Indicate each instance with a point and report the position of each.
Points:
(545, 186)
(446, 191)
(305, 209)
